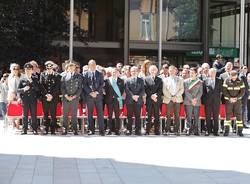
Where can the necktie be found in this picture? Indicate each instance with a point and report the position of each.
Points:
(93, 81)
(213, 84)
(93, 77)
(135, 82)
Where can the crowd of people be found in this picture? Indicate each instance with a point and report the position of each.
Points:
(132, 87)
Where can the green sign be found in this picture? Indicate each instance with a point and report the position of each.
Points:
(213, 51)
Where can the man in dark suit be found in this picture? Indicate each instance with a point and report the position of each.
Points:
(114, 89)
(28, 89)
(135, 90)
(50, 90)
(93, 87)
(212, 97)
(153, 89)
(219, 65)
(243, 77)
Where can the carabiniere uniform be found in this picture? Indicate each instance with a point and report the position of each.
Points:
(233, 89)
(50, 84)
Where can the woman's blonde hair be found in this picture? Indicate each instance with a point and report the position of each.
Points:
(145, 66)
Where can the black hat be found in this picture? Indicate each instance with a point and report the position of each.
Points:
(28, 66)
(49, 64)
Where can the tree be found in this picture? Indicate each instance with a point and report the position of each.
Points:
(28, 27)
(186, 13)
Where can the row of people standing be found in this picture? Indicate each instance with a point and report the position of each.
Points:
(117, 90)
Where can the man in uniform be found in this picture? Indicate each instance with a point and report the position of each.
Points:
(233, 90)
(28, 89)
(71, 88)
(50, 90)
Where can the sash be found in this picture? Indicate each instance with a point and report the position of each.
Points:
(117, 91)
(193, 83)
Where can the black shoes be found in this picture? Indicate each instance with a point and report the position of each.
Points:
(128, 133)
(216, 134)
(64, 133)
(102, 133)
(109, 132)
(197, 134)
(240, 129)
(245, 126)
(24, 132)
(34, 132)
(90, 132)
(188, 132)
(138, 133)
(117, 132)
(226, 133)
(240, 134)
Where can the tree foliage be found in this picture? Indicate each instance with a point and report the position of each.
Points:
(186, 13)
(27, 27)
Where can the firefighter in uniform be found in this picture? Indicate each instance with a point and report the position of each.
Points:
(50, 90)
(71, 88)
(233, 91)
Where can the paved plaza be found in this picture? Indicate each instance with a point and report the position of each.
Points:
(124, 160)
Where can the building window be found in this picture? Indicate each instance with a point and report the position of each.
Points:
(143, 20)
(146, 26)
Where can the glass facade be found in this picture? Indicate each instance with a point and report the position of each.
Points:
(99, 20)
(181, 20)
(224, 29)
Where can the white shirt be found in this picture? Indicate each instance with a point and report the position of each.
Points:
(172, 85)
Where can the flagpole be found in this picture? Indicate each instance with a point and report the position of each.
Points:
(242, 31)
(71, 33)
(160, 35)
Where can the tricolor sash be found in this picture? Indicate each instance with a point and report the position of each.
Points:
(193, 83)
(117, 91)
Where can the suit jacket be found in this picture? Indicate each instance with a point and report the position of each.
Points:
(179, 90)
(110, 93)
(224, 76)
(71, 85)
(244, 79)
(50, 84)
(195, 92)
(92, 84)
(134, 86)
(212, 95)
(153, 87)
(32, 93)
(219, 67)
